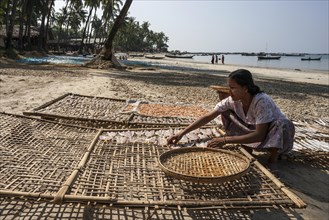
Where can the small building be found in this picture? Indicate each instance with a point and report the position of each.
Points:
(15, 37)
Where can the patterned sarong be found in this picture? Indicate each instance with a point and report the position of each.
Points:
(280, 134)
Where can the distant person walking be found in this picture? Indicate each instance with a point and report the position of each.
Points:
(212, 59)
(216, 59)
(222, 59)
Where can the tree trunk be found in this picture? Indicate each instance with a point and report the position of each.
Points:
(21, 24)
(7, 9)
(108, 45)
(61, 26)
(11, 25)
(27, 34)
(42, 27)
(45, 38)
(84, 30)
(107, 54)
(91, 28)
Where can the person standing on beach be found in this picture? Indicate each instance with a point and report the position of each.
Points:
(212, 59)
(250, 117)
(222, 58)
(216, 59)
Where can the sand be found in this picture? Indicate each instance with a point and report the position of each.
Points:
(300, 95)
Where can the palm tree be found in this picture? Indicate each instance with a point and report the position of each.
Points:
(108, 45)
(2, 12)
(107, 51)
(93, 4)
(50, 11)
(96, 26)
(11, 23)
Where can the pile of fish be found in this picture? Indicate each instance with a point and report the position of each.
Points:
(162, 110)
(198, 137)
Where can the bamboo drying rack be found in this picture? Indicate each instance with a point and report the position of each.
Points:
(61, 111)
(116, 174)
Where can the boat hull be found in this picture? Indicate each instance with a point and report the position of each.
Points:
(309, 59)
(155, 57)
(179, 56)
(269, 57)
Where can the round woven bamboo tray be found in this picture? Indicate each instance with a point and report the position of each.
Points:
(222, 89)
(204, 165)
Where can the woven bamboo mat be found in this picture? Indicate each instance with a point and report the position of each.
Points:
(142, 121)
(18, 209)
(44, 161)
(312, 135)
(128, 174)
(81, 106)
(99, 112)
(156, 109)
(83, 111)
(37, 157)
(311, 145)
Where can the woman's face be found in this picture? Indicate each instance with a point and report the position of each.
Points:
(237, 91)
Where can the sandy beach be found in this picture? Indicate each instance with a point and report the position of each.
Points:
(300, 95)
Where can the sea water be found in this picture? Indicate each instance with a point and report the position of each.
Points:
(56, 59)
(285, 62)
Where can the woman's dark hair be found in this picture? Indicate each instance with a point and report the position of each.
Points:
(244, 78)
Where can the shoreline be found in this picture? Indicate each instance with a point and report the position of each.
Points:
(320, 77)
(306, 91)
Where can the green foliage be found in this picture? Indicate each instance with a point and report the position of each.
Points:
(2, 12)
(69, 21)
(133, 36)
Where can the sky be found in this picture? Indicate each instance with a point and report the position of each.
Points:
(288, 26)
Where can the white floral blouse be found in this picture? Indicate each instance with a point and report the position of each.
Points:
(262, 109)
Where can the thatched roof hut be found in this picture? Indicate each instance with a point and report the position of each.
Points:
(3, 32)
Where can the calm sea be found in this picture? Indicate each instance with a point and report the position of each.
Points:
(285, 62)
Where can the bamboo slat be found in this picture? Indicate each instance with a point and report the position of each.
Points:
(12, 209)
(100, 112)
(37, 156)
(126, 171)
(119, 168)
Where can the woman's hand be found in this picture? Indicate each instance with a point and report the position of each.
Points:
(217, 142)
(174, 139)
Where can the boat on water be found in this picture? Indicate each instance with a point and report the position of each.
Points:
(269, 57)
(157, 57)
(310, 58)
(179, 56)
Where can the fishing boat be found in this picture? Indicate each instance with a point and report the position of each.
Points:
(269, 57)
(157, 57)
(179, 56)
(136, 55)
(310, 58)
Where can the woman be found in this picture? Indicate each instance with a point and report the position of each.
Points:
(249, 117)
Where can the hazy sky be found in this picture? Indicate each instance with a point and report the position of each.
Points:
(238, 26)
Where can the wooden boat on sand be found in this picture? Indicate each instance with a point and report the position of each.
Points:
(179, 56)
(137, 55)
(157, 57)
(310, 58)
